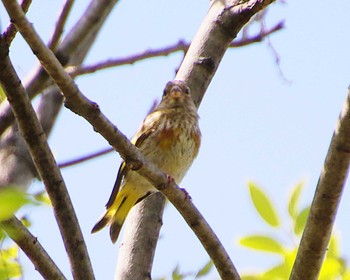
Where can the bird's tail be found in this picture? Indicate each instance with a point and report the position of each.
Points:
(116, 214)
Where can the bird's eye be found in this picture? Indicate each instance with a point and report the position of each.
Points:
(187, 90)
(165, 92)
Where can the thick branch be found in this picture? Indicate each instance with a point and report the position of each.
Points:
(319, 225)
(221, 25)
(32, 248)
(141, 232)
(35, 138)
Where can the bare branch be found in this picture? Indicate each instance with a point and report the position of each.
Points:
(35, 138)
(61, 22)
(165, 51)
(319, 225)
(85, 158)
(32, 248)
(10, 32)
(258, 37)
(179, 46)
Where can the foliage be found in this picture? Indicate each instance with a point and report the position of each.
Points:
(11, 199)
(9, 266)
(2, 94)
(334, 266)
(177, 275)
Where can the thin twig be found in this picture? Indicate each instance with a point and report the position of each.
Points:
(165, 51)
(11, 31)
(61, 22)
(262, 35)
(330, 186)
(35, 138)
(85, 158)
(32, 248)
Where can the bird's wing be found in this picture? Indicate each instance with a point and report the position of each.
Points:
(121, 174)
(138, 139)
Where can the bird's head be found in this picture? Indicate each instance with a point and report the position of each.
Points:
(177, 94)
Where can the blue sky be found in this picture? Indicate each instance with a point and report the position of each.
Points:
(255, 125)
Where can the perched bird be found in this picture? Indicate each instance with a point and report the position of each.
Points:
(170, 138)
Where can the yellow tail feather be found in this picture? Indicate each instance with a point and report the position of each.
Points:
(116, 214)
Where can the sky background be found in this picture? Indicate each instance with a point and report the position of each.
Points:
(257, 124)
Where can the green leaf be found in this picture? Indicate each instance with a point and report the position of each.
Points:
(11, 199)
(205, 269)
(331, 268)
(176, 275)
(9, 267)
(2, 94)
(293, 203)
(262, 243)
(279, 271)
(42, 197)
(2, 236)
(300, 220)
(333, 247)
(263, 205)
(251, 277)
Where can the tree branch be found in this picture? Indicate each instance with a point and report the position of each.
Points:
(32, 248)
(11, 31)
(165, 51)
(85, 158)
(141, 232)
(35, 138)
(61, 22)
(330, 186)
(221, 25)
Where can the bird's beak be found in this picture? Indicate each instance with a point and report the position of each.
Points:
(175, 92)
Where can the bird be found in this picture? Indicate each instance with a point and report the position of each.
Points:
(170, 138)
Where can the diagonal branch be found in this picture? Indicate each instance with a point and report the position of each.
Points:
(61, 22)
(222, 24)
(330, 186)
(32, 248)
(11, 30)
(85, 158)
(35, 138)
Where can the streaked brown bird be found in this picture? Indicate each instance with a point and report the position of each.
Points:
(170, 138)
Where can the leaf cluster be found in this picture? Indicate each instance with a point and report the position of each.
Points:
(11, 199)
(334, 266)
